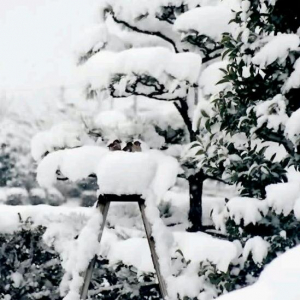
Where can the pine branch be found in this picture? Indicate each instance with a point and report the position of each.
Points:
(136, 29)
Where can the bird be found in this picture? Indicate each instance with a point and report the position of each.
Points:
(128, 147)
(136, 147)
(115, 146)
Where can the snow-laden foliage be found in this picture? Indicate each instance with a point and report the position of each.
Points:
(229, 68)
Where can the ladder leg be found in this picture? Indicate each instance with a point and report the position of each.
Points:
(151, 242)
(103, 207)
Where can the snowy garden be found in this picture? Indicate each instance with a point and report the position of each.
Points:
(166, 166)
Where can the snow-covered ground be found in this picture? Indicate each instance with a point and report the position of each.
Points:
(124, 239)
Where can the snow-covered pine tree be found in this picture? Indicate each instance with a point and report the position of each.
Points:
(178, 34)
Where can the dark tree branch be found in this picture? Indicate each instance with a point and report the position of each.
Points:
(274, 137)
(136, 29)
(207, 58)
(217, 179)
(151, 96)
(182, 107)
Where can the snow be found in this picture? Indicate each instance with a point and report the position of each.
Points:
(272, 112)
(60, 136)
(75, 164)
(210, 76)
(277, 48)
(281, 197)
(125, 173)
(124, 243)
(38, 192)
(118, 172)
(76, 260)
(257, 247)
(279, 280)
(16, 191)
(135, 252)
(247, 209)
(201, 20)
(158, 62)
(17, 279)
(111, 122)
(199, 247)
(293, 82)
(292, 127)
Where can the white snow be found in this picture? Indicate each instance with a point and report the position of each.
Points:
(210, 76)
(125, 173)
(272, 112)
(257, 247)
(198, 247)
(117, 172)
(292, 127)
(75, 263)
(279, 280)
(281, 197)
(159, 62)
(64, 135)
(134, 251)
(16, 191)
(17, 279)
(201, 20)
(201, 247)
(293, 82)
(75, 164)
(277, 48)
(247, 209)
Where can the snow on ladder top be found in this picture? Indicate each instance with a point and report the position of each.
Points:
(118, 172)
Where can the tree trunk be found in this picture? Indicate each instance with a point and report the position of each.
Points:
(196, 180)
(196, 188)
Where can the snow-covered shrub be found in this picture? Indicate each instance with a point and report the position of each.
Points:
(249, 134)
(28, 268)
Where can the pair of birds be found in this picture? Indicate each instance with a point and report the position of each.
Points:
(130, 147)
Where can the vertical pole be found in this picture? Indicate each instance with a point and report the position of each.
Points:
(103, 207)
(161, 281)
(196, 190)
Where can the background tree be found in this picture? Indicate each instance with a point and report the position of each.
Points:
(173, 25)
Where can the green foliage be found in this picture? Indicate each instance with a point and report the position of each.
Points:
(235, 107)
(28, 268)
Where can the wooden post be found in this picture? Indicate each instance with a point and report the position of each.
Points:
(151, 242)
(103, 207)
(103, 204)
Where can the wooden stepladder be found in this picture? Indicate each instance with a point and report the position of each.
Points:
(103, 204)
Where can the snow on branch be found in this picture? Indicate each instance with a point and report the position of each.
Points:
(152, 72)
(210, 21)
(278, 48)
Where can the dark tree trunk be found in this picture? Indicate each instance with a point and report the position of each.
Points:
(196, 180)
(196, 188)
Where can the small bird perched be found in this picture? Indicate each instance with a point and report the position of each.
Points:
(115, 146)
(128, 147)
(136, 147)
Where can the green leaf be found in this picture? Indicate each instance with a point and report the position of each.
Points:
(200, 152)
(204, 113)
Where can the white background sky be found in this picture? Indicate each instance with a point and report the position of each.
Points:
(37, 39)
